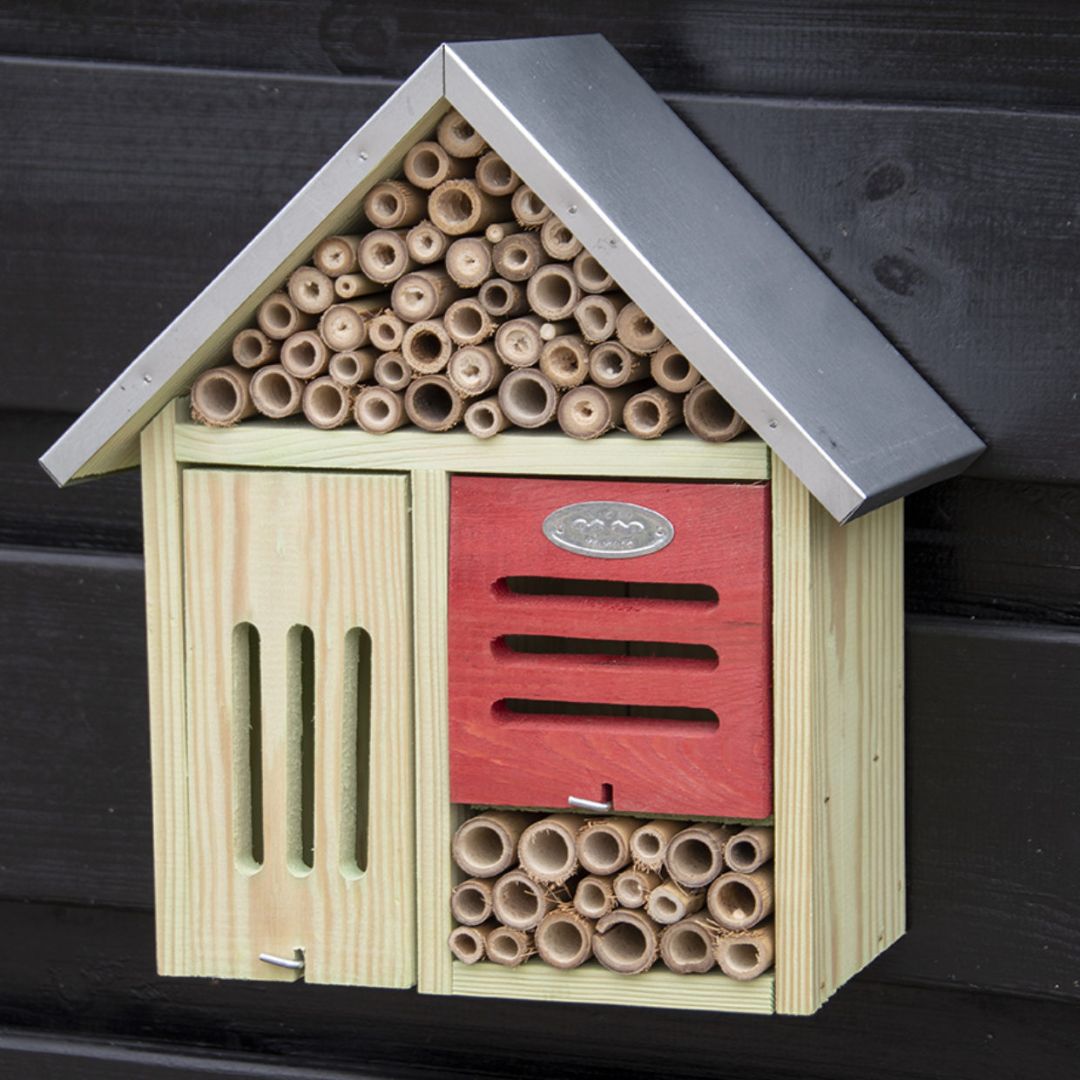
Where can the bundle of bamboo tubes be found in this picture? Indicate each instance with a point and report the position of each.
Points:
(622, 891)
(463, 300)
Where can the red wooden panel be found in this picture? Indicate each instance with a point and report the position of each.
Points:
(689, 736)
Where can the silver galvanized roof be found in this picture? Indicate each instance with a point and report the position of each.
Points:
(809, 372)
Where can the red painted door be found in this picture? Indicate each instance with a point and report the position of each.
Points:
(640, 680)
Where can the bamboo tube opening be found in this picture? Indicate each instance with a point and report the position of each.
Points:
(612, 365)
(749, 850)
(220, 396)
(458, 137)
(252, 348)
(392, 204)
(649, 843)
(673, 371)
(467, 944)
(626, 942)
(670, 902)
(336, 255)
(501, 298)
(326, 404)
(311, 290)
(591, 276)
(278, 317)
(553, 291)
(351, 368)
(469, 261)
(528, 208)
(603, 847)
(494, 176)
(743, 956)
(485, 419)
(349, 285)
(344, 326)
(595, 318)
(386, 331)
(520, 902)
(547, 850)
(738, 901)
(594, 897)
(459, 206)
(305, 355)
(423, 295)
(632, 887)
(427, 165)
(518, 256)
(687, 947)
(378, 410)
(695, 856)
(528, 398)
(649, 414)
(425, 243)
(475, 369)
(467, 322)
(518, 341)
(470, 902)
(637, 331)
(431, 403)
(645, 415)
(559, 242)
(384, 256)
(747, 954)
(563, 940)
(508, 946)
(427, 346)
(709, 416)
(276, 393)
(392, 372)
(565, 361)
(486, 845)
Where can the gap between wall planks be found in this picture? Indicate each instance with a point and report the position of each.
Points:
(838, 709)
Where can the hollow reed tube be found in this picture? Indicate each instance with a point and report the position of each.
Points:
(386, 331)
(612, 364)
(423, 294)
(746, 954)
(458, 207)
(530, 211)
(353, 367)
(427, 347)
(469, 943)
(591, 276)
(278, 317)
(564, 939)
(672, 371)
(518, 341)
(632, 886)
(738, 901)
(553, 292)
(587, 412)
(695, 855)
(565, 360)
(327, 404)
(494, 176)
(603, 845)
(220, 396)
(377, 410)
(669, 902)
(310, 290)
(469, 261)
(251, 348)
(432, 404)
(749, 849)
(503, 299)
(688, 947)
(547, 849)
(649, 843)
(348, 286)
(637, 331)
(425, 243)
(485, 419)
(626, 942)
(510, 947)
(485, 846)
(595, 315)
(475, 370)
(458, 137)
(709, 416)
(518, 256)
(499, 230)
(470, 902)
(392, 372)
(652, 412)
(427, 165)
(394, 204)
(468, 323)
(559, 242)
(383, 255)
(344, 326)
(336, 255)
(520, 902)
(594, 896)
(276, 393)
(528, 398)
(305, 355)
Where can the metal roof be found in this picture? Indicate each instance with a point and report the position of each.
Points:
(808, 371)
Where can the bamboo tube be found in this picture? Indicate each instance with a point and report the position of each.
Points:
(427, 165)
(494, 176)
(738, 901)
(276, 393)
(626, 942)
(688, 948)
(611, 365)
(469, 943)
(502, 298)
(394, 204)
(486, 845)
(559, 242)
(220, 397)
(278, 317)
(468, 323)
(348, 286)
(564, 939)
(500, 230)
(588, 411)
(747, 954)
(305, 355)
(458, 207)
(596, 315)
(649, 844)
(423, 294)
(344, 326)
(426, 244)
(695, 856)
(458, 137)
(383, 255)
(749, 849)
(637, 331)
(509, 947)
(672, 371)
(336, 255)
(520, 902)
(547, 848)
(310, 290)
(353, 367)
(518, 341)
(603, 845)
(252, 348)
(470, 902)
(594, 896)
(565, 361)
(432, 404)
(377, 410)
(327, 404)
(591, 276)
(386, 331)
(484, 418)
(427, 346)
(474, 370)
(652, 412)
(518, 256)
(392, 372)
(632, 887)
(530, 211)
(553, 292)
(469, 262)
(549, 331)
(709, 416)
(669, 902)
(528, 398)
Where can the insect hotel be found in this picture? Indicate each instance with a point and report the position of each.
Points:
(523, 526)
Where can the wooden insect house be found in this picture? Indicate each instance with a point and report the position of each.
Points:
(523, 525)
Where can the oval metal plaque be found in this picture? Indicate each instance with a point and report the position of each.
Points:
(608, 530)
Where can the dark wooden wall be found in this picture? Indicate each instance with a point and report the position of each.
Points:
(928, 157)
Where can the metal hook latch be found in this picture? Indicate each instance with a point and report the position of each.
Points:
(589, 804)
(283, 962)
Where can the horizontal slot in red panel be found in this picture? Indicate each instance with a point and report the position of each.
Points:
(670, 719)
(668, 655)
(617, 590)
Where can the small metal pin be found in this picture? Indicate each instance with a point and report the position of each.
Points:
(589, 804)
(283, 962)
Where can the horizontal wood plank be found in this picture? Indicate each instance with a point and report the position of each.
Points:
(922, 214)
(1025, 55)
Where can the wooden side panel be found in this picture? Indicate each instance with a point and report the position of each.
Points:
(163, 544)
(839, 781)
(283, 551)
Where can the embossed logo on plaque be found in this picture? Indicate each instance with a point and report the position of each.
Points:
(608, 530)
